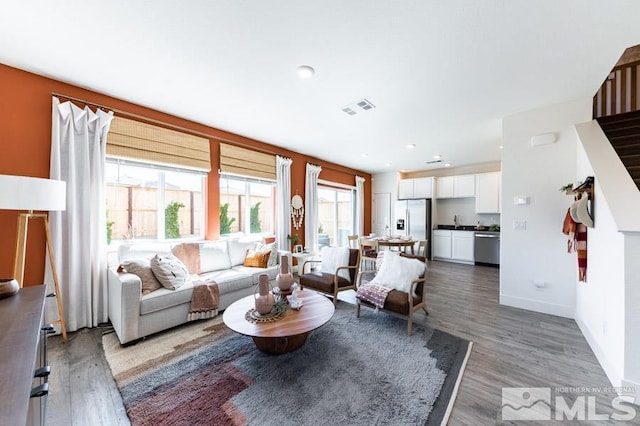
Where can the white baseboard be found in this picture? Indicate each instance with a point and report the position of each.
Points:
(538, 306)
(635, 395)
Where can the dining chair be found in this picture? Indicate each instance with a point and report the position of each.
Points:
(368, 251)
(353, 241)
(422, 248)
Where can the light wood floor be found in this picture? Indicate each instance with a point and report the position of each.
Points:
(512, 348)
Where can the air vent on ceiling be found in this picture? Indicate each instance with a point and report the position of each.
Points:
(433, 162)
(358, 106)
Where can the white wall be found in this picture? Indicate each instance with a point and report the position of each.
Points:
(608, 304)
(539, 253)
(600, 301)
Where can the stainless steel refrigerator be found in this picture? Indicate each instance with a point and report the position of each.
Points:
(413, 217)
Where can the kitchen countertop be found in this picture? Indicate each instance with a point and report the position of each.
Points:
(466, 228)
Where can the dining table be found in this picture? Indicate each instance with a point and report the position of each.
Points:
(400, 243)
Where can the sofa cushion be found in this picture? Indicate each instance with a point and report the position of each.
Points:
(165, 298)
(142, 268)
(254, 273)
(228, 280)
(238, 249)
(142, 250)
(258, 259)
(170, 271)
(189, 255)
(214, 256)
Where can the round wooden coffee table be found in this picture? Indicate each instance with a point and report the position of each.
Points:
(283, 335)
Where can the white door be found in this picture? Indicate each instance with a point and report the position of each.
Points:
(381, 212)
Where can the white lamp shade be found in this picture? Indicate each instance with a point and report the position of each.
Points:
(29, 193)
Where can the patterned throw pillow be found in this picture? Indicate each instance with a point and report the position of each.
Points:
(141, 268)
(257, 259)
(170, 271)
(273, 249)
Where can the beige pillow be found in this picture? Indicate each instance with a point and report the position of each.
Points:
(189, 255)
(257, 259)
(170, 271)
(142, 268)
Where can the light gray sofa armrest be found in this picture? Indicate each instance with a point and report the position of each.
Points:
(125, 291)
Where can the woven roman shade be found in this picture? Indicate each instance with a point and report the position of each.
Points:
(135, 140)
(245, 162)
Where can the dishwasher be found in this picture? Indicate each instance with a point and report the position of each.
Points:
(487, 248)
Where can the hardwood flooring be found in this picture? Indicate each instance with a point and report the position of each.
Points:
(512, 348)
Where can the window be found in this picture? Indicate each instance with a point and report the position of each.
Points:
(247, 205)
(146, 201)
(336, 212)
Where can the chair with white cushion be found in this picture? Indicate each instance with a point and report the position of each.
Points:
(338, 271)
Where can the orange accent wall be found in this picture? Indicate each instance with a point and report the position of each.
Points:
(25, 146)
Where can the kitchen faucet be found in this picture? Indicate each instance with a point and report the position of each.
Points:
(455, 221)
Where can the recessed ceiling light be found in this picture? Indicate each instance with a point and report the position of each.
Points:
(411, 146)
(448, 165)
(364, 155)
(437, 157)
(388, 164)
(500, 147)
(305, 71)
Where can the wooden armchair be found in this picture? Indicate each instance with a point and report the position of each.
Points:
(399, 303)
(332, 283)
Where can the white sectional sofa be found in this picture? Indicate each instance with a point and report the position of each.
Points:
(134, 315)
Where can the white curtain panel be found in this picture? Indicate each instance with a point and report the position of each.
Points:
(359, 228)
(78, 147)
(311, 207)
(283, 201)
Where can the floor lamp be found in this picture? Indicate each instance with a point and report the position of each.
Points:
(40, 195)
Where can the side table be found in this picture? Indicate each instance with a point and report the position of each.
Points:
(303, 257)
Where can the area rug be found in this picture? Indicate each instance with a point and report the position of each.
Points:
(351, 371)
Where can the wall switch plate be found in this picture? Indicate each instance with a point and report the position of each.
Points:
(520, 225)
(520, 200)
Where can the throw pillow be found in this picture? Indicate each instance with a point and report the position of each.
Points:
(257, 259)
(170, 271)
(141, 268)
(189, 255)
(333, 258)
(397, 272)
(273, 248)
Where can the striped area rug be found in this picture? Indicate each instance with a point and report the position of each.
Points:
(350, 372)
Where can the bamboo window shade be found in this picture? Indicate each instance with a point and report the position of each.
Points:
(246, 162)
(135, 140)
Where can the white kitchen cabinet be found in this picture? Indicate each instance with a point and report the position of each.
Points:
(405, 189)
(464, 186)
(442, 244)
(456, 186)
(444, 187)
(415, 188)
(488, 192)
(462, 246)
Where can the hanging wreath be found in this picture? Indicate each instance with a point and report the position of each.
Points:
(297, 211)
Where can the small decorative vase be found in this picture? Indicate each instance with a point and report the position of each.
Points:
(285, 277)
(8, 287)
(265, 300)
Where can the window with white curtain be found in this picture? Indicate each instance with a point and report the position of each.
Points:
(336, 215)
(148, 201)
(247, 205)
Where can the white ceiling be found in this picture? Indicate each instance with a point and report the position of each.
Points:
(441, 74)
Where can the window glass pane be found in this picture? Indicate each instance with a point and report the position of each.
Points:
(183, 204)
(139, 196)
(246, 206)
(335, 216)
